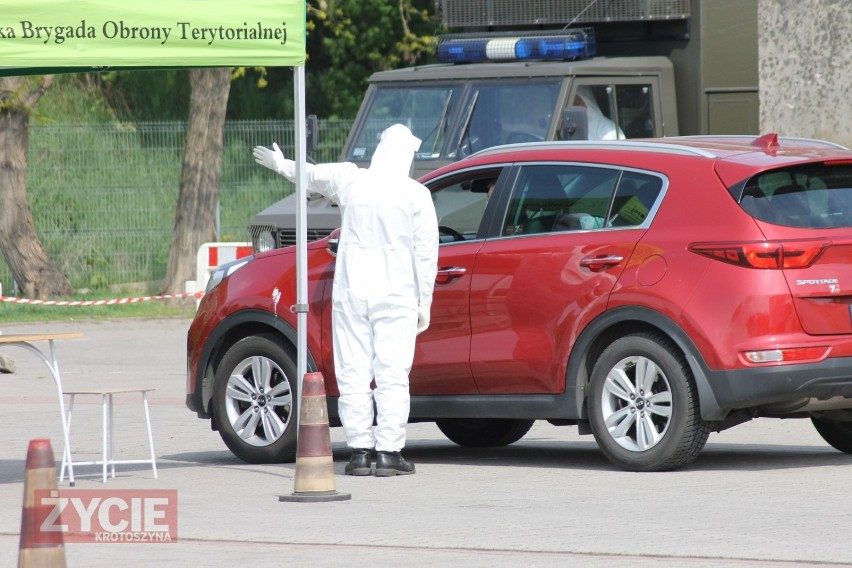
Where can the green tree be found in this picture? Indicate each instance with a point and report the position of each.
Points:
(348, 40)
(159, 94)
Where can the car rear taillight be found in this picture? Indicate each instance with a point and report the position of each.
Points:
(765, 254)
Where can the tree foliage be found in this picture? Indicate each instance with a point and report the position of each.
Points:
(347, 41)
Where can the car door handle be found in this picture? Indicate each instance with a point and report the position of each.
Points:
(447, 274)
(598, 263)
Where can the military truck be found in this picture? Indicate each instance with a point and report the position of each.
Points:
(558, 69)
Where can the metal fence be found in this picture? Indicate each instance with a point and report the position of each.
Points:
(103, 196)
(480, 13)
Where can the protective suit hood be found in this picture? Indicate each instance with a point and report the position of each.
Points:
(395, 151)
(593, 111)
(600, 126)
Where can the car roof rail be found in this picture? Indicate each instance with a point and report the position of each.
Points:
(663, 147)
(659, 146)
(781, 139)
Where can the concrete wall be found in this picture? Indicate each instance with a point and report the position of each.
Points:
(805, 68)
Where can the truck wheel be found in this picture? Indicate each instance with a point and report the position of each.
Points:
(837, 434)
(254, 400)
(643, 405)
(484, 432)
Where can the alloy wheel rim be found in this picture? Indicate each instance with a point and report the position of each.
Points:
(258, 401)
(636, 404)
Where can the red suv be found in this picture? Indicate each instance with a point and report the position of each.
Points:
(649, 292)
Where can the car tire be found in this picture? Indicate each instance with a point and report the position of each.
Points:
(837, 434)
(672, 433)
(484, 432)
(257, 427)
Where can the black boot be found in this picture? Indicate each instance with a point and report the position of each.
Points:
(392, 463)
(359, 463)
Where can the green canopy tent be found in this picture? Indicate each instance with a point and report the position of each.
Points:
(67, 36)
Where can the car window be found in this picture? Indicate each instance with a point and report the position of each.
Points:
(811, 196)
(460, 205)
(634, 200)
(550, 198)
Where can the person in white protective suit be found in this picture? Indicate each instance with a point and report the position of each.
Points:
(600, 127)
(387, 260)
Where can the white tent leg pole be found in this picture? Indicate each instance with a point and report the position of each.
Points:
(301, 232)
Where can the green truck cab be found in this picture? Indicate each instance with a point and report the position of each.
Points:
(642, 69)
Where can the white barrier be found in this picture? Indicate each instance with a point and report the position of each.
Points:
(211, 255)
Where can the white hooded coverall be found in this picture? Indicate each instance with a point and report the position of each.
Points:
(386, 266)
(600, 127)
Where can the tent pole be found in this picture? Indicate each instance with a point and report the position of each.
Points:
(301, 231)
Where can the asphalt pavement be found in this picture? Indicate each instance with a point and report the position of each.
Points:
(767, 493)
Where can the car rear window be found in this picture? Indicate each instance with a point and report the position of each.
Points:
(816, 195)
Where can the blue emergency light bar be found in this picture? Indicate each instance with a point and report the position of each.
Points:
(563, 45)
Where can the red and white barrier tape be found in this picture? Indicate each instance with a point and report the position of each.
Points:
(113, 302)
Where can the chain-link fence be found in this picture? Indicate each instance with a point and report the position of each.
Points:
(103, 196)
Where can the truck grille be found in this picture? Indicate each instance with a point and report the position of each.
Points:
(478, 13)
(287, 237)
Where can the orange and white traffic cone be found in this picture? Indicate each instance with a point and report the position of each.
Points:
(314, 466)
(39, 549)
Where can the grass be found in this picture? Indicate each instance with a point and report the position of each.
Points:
(103, 196)
(21, 312)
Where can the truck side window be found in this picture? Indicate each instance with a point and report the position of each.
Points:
(635, 116)
(616, 112)
(599, 104)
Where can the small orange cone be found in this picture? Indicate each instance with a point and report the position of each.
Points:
(46, 550)
(314, 467)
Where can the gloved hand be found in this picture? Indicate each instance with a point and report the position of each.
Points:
(274, 160)
(423, 315)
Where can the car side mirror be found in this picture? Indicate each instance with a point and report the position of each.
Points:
(333, 242)
(575, 124)
(311, 133)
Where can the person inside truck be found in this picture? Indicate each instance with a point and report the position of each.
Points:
(387, 261)
(600, 127)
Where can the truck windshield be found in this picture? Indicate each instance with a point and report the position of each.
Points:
(424, 110)
(454, 121)
(507, 113)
